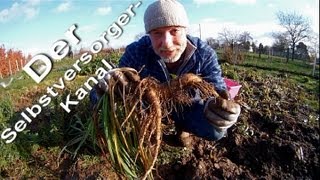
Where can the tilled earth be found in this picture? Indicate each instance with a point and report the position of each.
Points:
(276, 137)
(264, 153)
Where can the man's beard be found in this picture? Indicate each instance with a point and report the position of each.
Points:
(178, 55)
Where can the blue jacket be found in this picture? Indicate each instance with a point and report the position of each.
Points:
(203, 62)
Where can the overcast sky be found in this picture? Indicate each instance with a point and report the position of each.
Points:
(34, 25)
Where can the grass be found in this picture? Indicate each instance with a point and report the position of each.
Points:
(47, 135)
(274, 63)
(310, 85)
(170, 154)
(298, 67)
(46, 131)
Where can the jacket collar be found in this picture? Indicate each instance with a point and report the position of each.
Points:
(189, 51)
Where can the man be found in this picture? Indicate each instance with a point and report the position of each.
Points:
(168, 51)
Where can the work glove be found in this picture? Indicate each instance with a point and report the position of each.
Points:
(122, 76)
(222, 112)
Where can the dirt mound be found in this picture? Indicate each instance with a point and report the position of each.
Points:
(256, 157)
(291, 154)
(276, 137)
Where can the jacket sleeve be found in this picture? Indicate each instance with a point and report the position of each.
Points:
(126, 59)
(133, 54)
(211, 70)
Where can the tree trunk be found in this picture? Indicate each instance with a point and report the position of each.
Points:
(292, 55)
(314, 65)
(17, 66)
(21, 64)
(288, 53)
(10, 70)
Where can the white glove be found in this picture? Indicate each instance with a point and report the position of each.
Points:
(122, 75)
(221, 113)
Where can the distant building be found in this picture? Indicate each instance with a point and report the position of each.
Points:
(250, 48)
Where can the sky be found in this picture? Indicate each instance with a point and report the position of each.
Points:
(33, 26)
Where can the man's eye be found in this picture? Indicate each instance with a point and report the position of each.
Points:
(175, 32)
(156, 33)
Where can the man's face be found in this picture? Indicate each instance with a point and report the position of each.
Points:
(169, 42)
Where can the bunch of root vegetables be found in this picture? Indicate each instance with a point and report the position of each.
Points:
(128, 118)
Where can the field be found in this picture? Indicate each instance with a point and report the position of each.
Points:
(276, 137)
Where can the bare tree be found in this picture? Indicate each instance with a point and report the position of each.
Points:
(297, 27)
(281, 43)
(232, 49)
(245, 36)
(229, 37)
(254, 46)
(214, 43)
(245, 39)
(260, 49)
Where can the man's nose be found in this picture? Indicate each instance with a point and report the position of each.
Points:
(167, 40)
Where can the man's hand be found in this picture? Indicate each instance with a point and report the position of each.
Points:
(221, 112)
(120, 75)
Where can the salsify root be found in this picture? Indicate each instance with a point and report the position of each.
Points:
(145, 102)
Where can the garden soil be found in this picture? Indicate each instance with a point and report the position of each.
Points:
(276, 137)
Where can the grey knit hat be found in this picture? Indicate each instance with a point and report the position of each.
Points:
(164, 13)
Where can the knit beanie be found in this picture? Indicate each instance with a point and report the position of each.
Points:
(164, 13)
